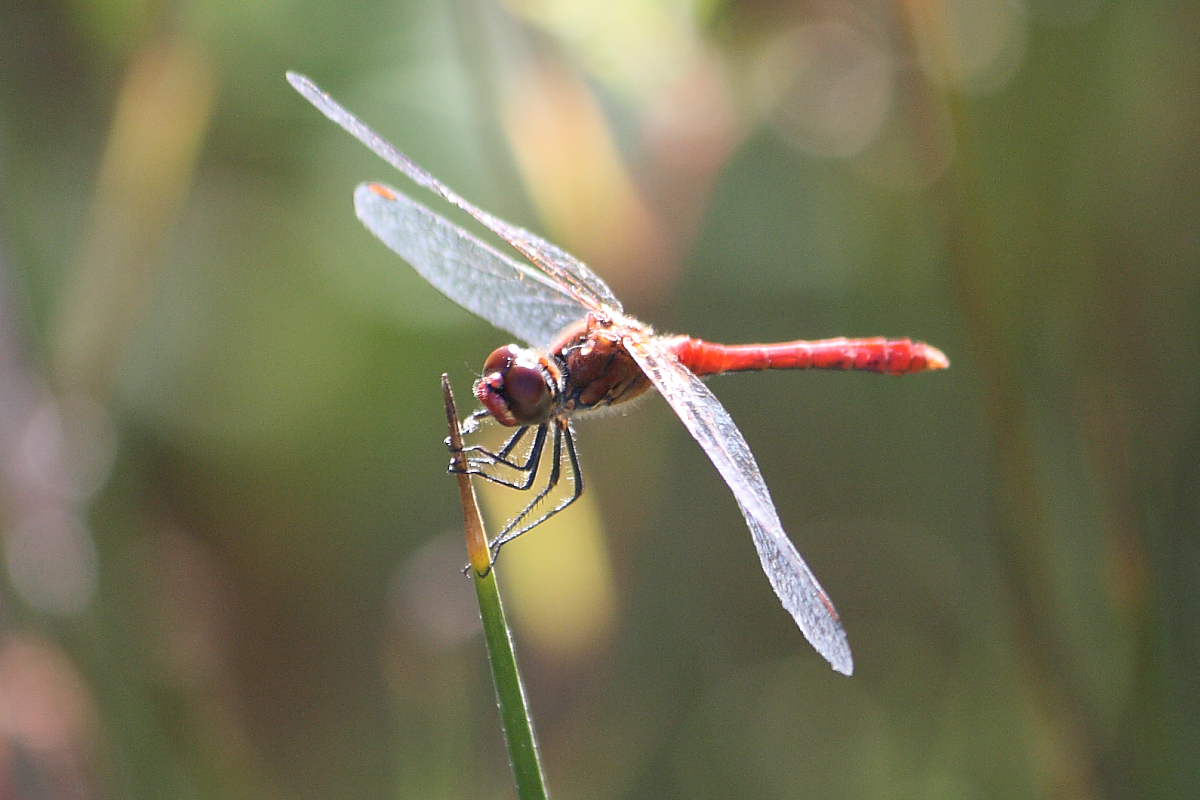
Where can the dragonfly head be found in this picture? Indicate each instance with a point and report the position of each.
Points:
(517, 387)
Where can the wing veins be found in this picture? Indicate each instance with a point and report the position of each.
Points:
(714, 430)
(587, 287)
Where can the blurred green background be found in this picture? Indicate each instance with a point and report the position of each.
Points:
(230, 549)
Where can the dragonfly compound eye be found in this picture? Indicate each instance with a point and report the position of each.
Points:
(501, 359)
(513, 387)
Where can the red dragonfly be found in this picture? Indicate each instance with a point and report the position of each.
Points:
(588, 354)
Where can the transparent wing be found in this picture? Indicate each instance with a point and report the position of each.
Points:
(556, 263)
(712, 427)
(505, 292)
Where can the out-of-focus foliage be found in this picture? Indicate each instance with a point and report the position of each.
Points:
(229, 549)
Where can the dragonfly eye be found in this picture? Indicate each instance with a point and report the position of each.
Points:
(513, 387)
(500, 360)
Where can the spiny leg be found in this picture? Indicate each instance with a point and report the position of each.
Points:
(532, 459)
(500, 457)
(562, 431)
(471, 423)
(505, 535)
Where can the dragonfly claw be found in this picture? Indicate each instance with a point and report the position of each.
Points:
(466, 570)
(471, 423)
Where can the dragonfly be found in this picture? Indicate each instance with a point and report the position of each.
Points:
(582, 353)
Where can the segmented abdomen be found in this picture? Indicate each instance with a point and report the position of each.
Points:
(888, 356)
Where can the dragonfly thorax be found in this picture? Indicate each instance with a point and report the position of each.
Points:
(598, 370)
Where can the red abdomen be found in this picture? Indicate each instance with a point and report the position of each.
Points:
(889, 356)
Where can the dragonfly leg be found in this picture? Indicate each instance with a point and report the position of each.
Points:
(562, 432)
(505, 535)
(532, 461)
(539, 441)
(471, 423)
(500, 456)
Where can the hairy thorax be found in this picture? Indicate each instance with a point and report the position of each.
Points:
(599, 371)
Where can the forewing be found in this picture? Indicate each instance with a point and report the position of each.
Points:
(711, 426)
(560, 266)
(472, 273)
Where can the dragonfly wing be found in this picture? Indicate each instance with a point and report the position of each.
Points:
(711, 426)
(560, 266)
(505, 292)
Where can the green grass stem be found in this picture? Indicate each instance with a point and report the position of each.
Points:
(510, 693)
